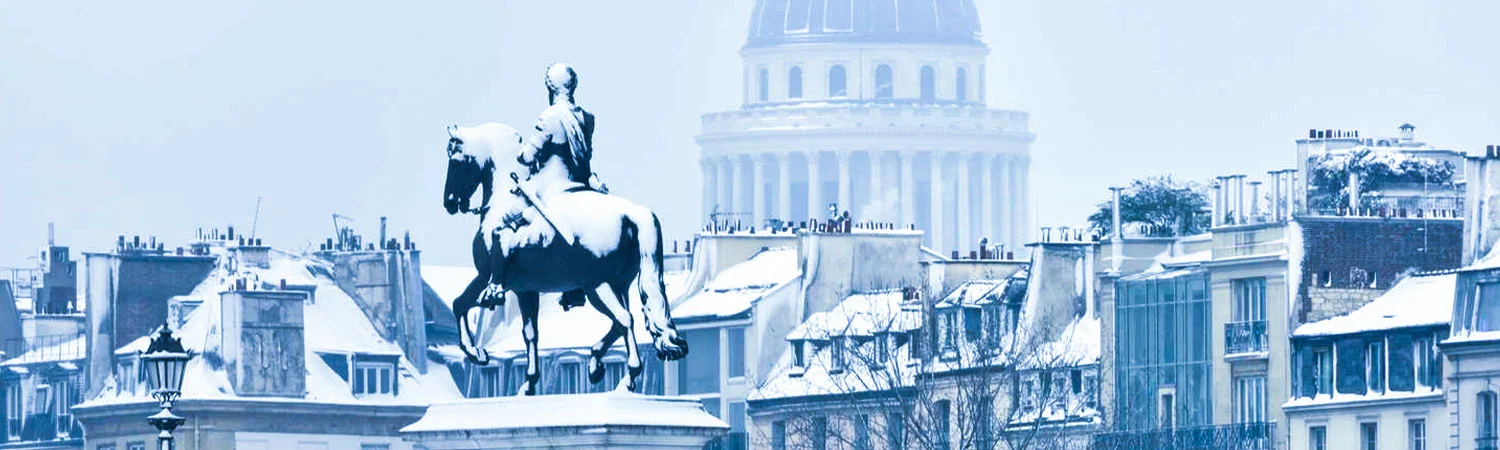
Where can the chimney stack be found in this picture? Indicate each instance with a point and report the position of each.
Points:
(51, 234)
(1116, 228)
(382, 230)
(1217, 203)
(1239, 199)
(1254, 199)
(1275, 195)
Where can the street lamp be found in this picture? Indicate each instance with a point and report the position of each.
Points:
(165, 361)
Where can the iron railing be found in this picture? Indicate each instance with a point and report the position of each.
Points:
(1244, 337)
(51, 348)
(1241, 436)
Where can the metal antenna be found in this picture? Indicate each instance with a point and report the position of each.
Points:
(255, 222)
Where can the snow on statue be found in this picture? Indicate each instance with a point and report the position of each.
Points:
(555, 232)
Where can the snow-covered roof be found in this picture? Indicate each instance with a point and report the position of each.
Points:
(818, 376)
(974, 292)
(1413, 302)
(861, 315)
(335, 324)
(733, 290)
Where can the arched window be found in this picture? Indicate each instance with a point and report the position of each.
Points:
(765, 86)
(838, 82)
(1486, 415)
(961, 86)
(884, 82)
(794, 82)
(929, 84)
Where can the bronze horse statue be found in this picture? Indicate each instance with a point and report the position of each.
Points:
(613, 253)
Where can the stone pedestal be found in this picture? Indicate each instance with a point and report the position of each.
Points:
(585, 421)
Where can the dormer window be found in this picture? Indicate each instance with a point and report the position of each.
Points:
(373, 375)
(798, 358)
(950, 329)
(882, 347)
(836, 352)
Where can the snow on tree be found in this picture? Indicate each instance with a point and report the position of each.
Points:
(1163, 206)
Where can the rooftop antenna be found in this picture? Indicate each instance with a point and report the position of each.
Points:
(254, 222)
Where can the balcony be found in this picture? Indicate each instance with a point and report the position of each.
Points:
(1243, 436)
(1244, 337)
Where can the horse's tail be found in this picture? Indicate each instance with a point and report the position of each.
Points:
(653, 291)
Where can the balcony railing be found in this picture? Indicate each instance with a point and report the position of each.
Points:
(1244, 337)
(1244, 436)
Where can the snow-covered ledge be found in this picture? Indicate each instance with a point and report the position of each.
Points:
(609, 420)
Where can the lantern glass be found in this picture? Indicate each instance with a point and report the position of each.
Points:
(153, 372)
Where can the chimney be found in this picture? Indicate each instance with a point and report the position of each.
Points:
(1353, 190)
(382, 230)
(1116, 228)
(262, 342)
(1239, 199)
(1216, 203)
(1254, 199)
(51, 234)
(1275, 195)
(1408, 133)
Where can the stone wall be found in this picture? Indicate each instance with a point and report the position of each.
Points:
(1350, 254)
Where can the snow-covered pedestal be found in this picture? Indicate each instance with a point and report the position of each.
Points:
(585, 421)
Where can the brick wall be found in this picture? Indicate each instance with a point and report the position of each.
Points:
(1347, 254)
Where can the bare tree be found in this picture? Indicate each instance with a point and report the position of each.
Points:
(884, 375)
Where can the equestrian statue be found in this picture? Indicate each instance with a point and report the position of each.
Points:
(555, 229)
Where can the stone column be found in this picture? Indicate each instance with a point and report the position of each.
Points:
(1007, 203)
(784, 180)
(987, 198)
(1023, 198)
(965, 241)
(710, 194)
(814, 189)
(724, 184)
(877, 188)
(845, 200)
(737, 193)
(936, 224)
(908, 189)
(758, 192)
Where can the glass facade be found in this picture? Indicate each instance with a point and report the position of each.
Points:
(1162, 335)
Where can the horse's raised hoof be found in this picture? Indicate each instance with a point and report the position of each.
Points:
(670, 346)
(493, 296)
(596, 365)
(527, 388)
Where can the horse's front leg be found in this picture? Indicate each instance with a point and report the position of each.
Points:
(530, 303)
(601, 348)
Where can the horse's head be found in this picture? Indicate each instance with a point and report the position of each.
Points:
(464, 174)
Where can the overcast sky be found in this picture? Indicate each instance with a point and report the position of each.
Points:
(157, 118)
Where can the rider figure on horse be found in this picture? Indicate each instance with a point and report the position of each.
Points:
(565, 130)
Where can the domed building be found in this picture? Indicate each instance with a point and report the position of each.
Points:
(876, 107)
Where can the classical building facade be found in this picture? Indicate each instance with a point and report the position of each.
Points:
(877, 108)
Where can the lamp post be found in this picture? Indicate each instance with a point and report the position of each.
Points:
(165, 361)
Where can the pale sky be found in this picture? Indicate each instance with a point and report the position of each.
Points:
(157, 118)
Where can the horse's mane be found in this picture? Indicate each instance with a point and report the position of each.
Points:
(494, 141)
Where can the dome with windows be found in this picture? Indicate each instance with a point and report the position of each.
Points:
(776, 22)
(875, 108)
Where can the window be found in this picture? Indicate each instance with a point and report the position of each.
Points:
(1317, 438)
(763, 88)
(1426, 365)
(794, 82)
(135, 446)
(1091, 391)
(374, 446)
(569, 377)
(895, 430)
(950, 330)
(929, 84)
(1486, 415)
(836, 353)
(961, 85)
(736, 352)
(1059, 379)
(1075, 381)
(838, 82)
(105, 447)
(1487, 316)
(1375, 366)
(972, 323)
(983, 428)
(861, 432)
(1249, 300)
(884, 82)
(1250, 399)
(64, 402)
(1416, 434)
(514, 376)
(914, 343)
(736, 417)
(1029, 393)
(698, 373)
(1369, 436)
(819, 433)
(940, 424)
(614, 371)
(882, 348)
(778, 435)
(372, 378)
(798, 360)
(486, 382)
(13, 409)
(1323, 371)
